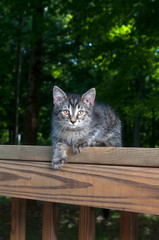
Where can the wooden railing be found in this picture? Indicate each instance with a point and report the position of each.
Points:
(125, 179)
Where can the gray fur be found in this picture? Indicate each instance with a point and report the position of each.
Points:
(79, 122)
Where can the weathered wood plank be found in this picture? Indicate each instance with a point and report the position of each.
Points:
(128, 226)
(25, 153)
(124, 188)
(148, 157)
(87, 223)
(18, 219)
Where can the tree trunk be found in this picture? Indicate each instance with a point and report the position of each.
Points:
(31, 118)
(153, 141)
(136, 132)
(18, 71)
(140, 90)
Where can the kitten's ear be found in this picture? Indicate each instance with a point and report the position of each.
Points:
(89, 97)
(58, 96)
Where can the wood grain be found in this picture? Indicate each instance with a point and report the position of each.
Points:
(133, 189)
(125, 179)
(25, 153)
(148, 157)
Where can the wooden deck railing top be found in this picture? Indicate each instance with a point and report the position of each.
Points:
(116, 178)
(148, 157)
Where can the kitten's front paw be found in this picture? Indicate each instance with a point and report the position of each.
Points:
(58, 164)
(77, 148)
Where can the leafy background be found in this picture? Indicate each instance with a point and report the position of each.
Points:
(112, 45)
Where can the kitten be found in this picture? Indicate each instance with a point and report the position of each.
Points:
(80, 122)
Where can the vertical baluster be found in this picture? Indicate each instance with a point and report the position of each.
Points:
(87, 223)
(18, 219)
(50, 221)
(128, 226)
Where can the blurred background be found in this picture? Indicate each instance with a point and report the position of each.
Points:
(110, 45)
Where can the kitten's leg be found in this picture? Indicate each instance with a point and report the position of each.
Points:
(59, 155)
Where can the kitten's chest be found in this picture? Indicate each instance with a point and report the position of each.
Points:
(71, 137)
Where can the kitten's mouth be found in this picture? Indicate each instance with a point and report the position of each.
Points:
(73, 125)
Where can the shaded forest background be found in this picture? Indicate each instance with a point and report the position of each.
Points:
(110, 45)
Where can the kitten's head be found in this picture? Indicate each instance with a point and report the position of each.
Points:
(72, 110)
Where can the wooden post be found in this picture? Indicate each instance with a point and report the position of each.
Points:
(18, 219)
(50, 220)
(128, 226)
(87, 223)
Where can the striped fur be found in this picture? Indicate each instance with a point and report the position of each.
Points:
(78, 121)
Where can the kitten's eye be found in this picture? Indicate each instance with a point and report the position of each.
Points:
(80, 113)
(66, 112)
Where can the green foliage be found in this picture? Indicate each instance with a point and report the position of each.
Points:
(111, 45)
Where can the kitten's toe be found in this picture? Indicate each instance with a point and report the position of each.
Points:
(77, 149)
(58, 164)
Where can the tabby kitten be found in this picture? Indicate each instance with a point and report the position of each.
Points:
(80, 122)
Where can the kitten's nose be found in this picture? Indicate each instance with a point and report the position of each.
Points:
(73, 120)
